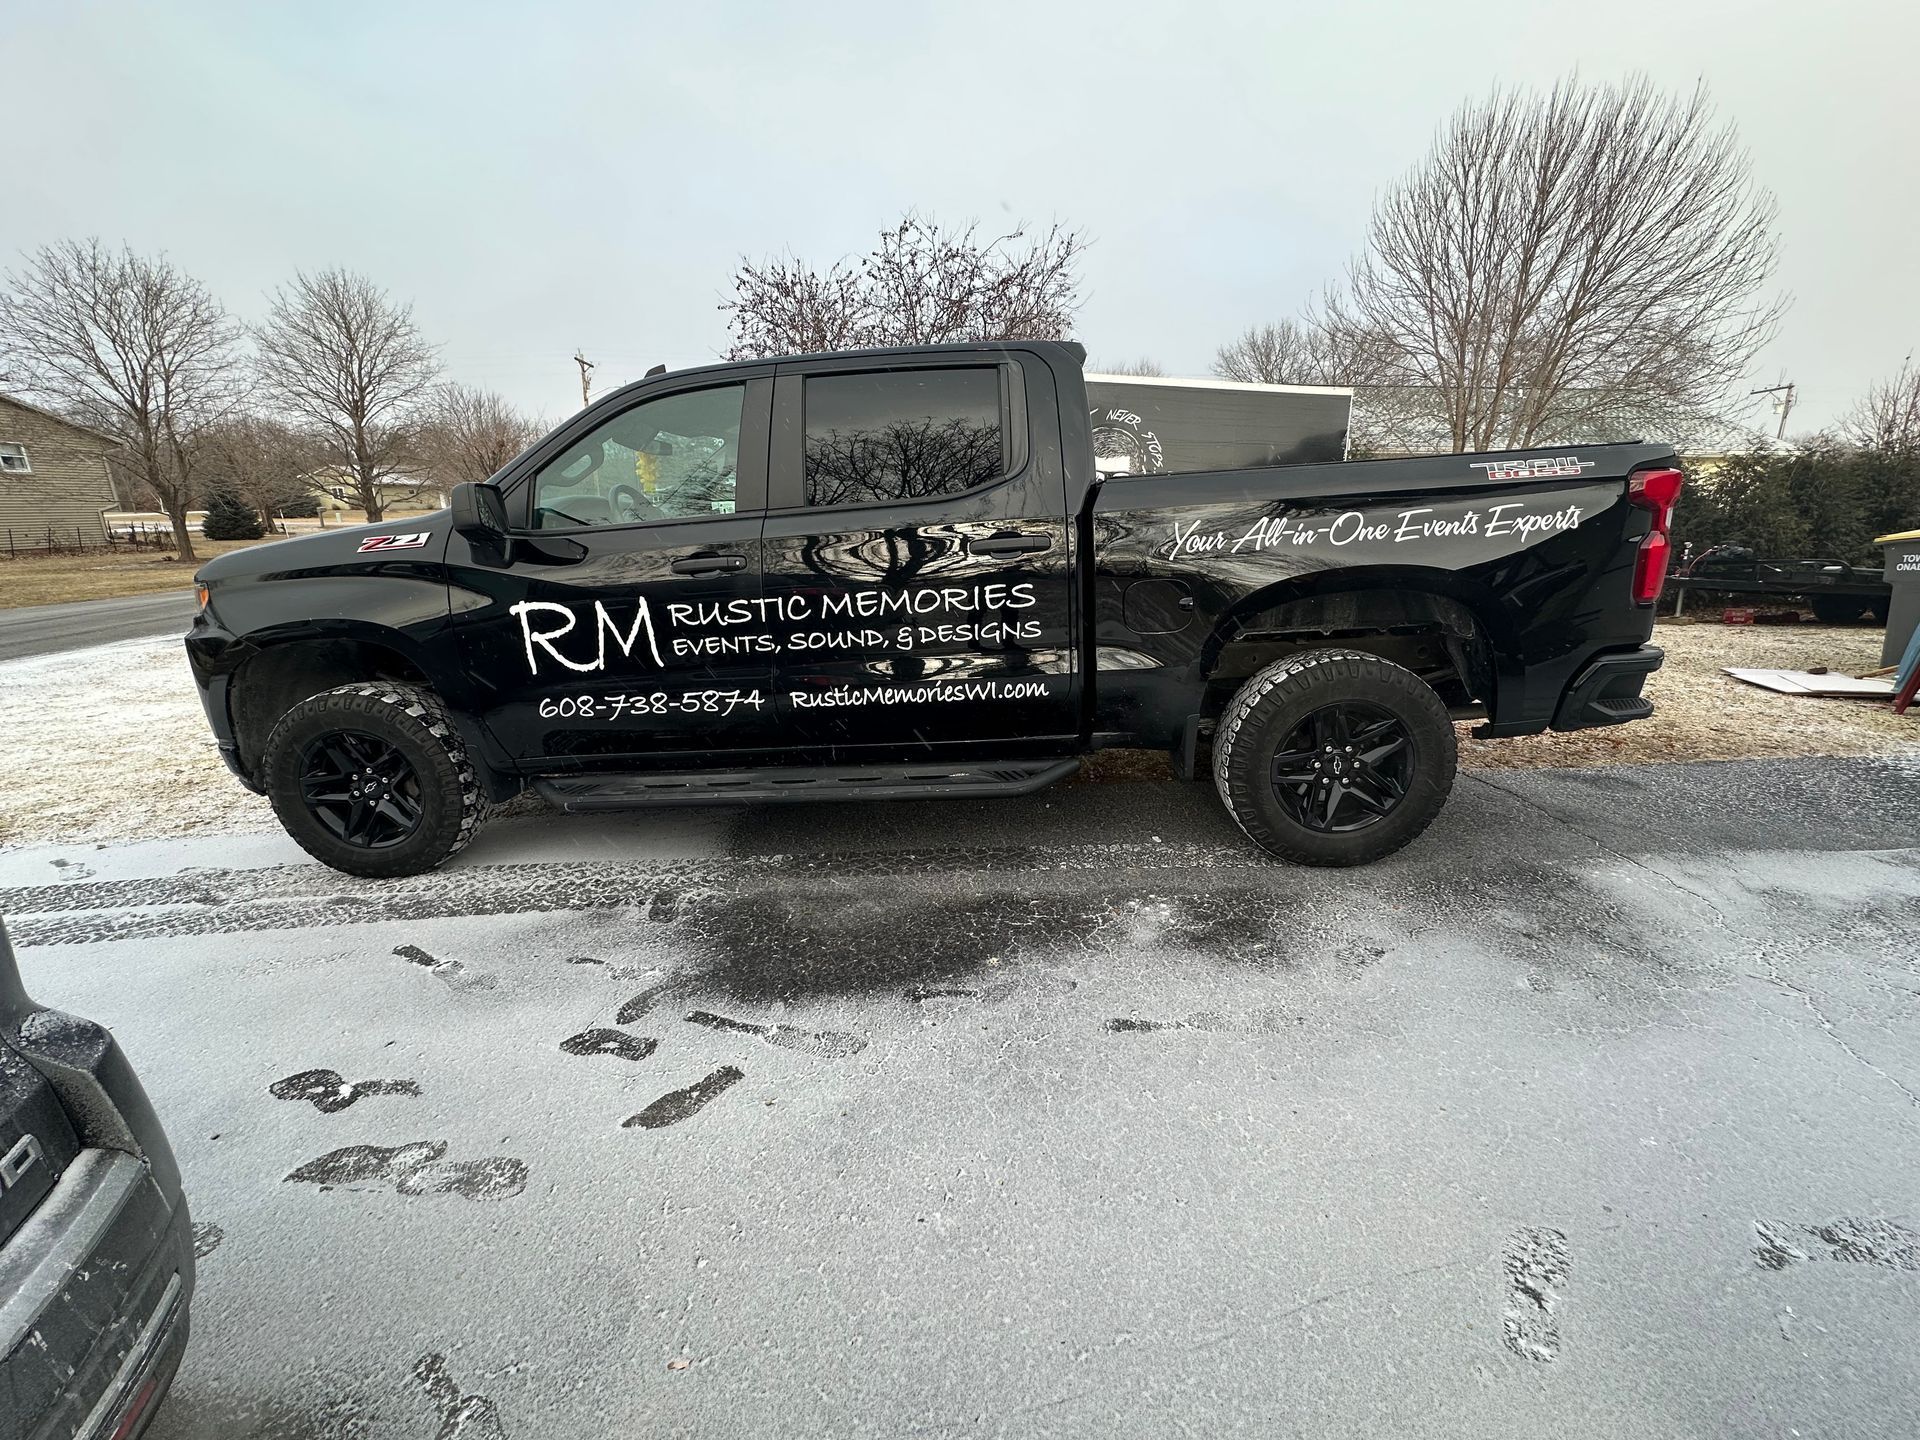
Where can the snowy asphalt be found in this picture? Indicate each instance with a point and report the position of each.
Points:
(51, 629)
(1597, 1111)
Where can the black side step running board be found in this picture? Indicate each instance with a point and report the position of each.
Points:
(864, 782)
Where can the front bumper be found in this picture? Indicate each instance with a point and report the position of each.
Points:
(1607, 691)
(211, 655)
(94, 1293)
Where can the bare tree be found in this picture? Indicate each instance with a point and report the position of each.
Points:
(471, 434)
(1286, 352)
(909, 459)
(131, 346)
(1571, 266)
(1142, 366)
(264, 462)
(1888, 417)
(921, 285)
(338, 355)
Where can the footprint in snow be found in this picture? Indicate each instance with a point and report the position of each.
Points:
(832, 1044)
(454, 972)
(329, 1093)
(419, 1168)
(677, 1105)
(462, 1416)
(1258, 1022)
(610, 1042)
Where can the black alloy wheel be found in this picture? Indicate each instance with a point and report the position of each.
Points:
(1333, 757)
(1345, 767)
(362, 789)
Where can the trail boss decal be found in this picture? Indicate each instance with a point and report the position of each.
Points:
(395, 542)
(1531, 469)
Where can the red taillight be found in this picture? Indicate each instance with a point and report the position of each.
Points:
(1654, 490)
(1650, 567)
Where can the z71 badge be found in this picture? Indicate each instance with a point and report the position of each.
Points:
(395, 542)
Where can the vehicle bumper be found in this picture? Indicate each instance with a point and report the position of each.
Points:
(211, 655)
(1607, 690)
(94, 1294)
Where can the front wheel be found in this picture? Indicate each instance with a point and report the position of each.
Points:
(374, 779)
(1334, 757)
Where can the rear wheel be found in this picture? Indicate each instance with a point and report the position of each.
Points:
(1334, 757)
(1836, 609)
(374, 779)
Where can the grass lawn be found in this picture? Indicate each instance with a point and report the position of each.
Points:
(100, 574)
(108, 573)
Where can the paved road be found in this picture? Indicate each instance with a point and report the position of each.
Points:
(1595, 1112)
(48, 629)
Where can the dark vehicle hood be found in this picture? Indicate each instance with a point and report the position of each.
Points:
(330, 547)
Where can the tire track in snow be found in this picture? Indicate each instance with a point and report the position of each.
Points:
(216, 902)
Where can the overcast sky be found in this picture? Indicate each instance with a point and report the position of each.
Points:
(587, 176)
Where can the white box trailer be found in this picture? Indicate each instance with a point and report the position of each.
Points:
(1153, 425)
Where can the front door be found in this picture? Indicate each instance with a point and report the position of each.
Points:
(918, 557)
(622, 623)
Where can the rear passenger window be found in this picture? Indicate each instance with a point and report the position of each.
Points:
(902, 434)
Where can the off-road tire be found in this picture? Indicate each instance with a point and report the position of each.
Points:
(412, 719)
(1274, 703)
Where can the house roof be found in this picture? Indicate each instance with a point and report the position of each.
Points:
(47, 414)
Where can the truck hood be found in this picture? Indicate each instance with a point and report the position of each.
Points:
(332, 547)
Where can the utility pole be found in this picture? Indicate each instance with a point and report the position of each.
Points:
(1782, 402)
(586, 383)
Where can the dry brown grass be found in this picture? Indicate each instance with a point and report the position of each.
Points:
(108, 574)
(1699, 713)
(101, 574)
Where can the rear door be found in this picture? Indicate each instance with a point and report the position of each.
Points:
(623, 622)
(918, 556)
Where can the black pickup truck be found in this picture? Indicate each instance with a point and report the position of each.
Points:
(899, 573)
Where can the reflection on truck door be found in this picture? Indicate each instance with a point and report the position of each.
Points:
(923, 555)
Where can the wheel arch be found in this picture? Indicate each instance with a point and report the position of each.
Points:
(284, 669)
(1430, 622)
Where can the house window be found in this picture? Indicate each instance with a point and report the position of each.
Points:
(13, 459)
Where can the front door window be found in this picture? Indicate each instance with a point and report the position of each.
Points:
(668, 459)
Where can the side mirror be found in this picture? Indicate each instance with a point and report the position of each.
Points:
(479, 512)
